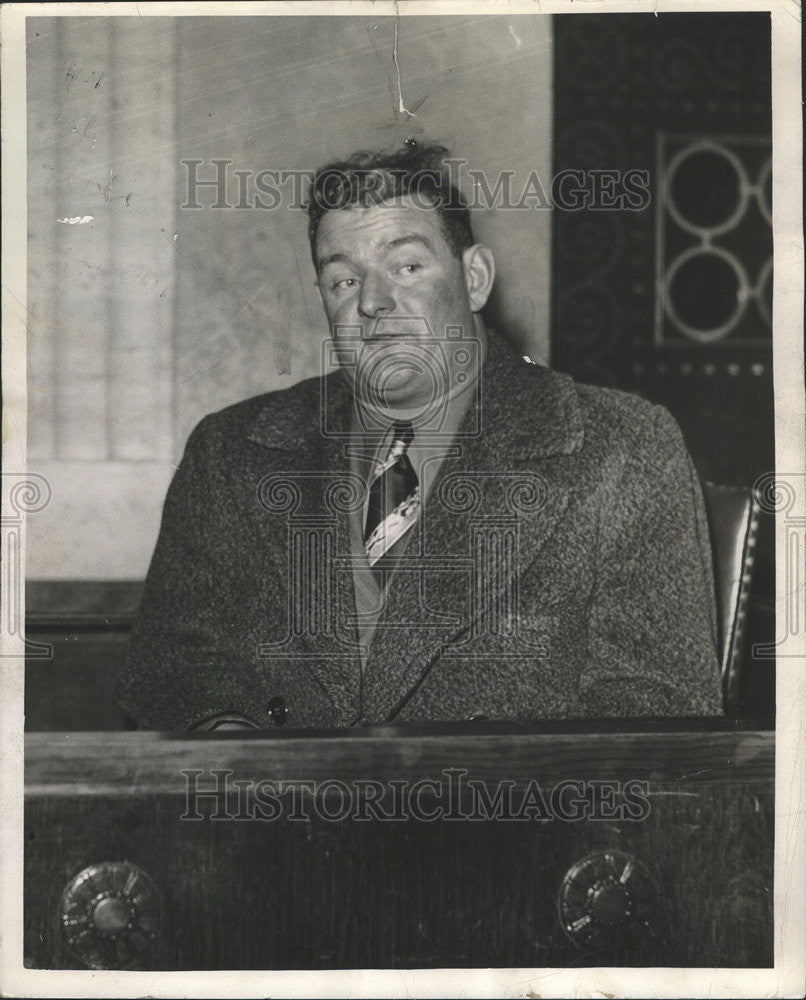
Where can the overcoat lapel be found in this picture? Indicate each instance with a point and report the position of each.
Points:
(310, 464)
(513, 477)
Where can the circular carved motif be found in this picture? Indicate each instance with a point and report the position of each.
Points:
(764, 293)
(706, 293)
(605, 900)
(764, 191)
(110, 915)
(707, 189)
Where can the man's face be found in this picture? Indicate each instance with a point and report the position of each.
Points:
(393, 292)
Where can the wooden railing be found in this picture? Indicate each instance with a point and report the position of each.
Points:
(468, 845)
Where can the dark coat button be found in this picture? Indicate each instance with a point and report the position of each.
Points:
(278, 710)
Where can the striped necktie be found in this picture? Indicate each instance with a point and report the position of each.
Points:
(394, 498)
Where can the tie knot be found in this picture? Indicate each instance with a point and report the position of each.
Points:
(402, 435)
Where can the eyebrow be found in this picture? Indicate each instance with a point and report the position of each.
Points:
(412, 238)
(335, 258)
(331, 258)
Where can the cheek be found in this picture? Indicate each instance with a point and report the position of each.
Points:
(435, 297)
(446, 306)
(338, 309)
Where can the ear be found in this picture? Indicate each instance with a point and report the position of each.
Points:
(478, 265)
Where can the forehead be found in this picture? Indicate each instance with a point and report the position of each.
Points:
(358, 229)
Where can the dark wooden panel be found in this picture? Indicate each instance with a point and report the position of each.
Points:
(314, 893)
(624, 86)
(96, 602)
(631, 93)
(75, 688)
(81, 631)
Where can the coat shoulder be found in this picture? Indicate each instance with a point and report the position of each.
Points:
(607, 402)
(285, 418)
(604, 418)
(620, 416)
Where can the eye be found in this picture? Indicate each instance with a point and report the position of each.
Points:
(409, 268)
(342, 284)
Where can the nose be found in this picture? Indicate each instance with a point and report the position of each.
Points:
(376, 296)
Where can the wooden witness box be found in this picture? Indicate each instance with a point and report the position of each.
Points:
(463, 845)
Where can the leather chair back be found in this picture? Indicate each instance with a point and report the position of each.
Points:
(733, 523)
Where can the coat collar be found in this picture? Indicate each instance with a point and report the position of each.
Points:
(552, 422)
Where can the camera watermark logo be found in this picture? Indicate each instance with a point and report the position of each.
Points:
(311, 505)
(467, 583)
(785, 496)
(22, 494)
(399, 361)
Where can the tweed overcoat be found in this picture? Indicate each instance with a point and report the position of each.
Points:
(561, 567)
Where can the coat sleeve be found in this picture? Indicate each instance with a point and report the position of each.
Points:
(182, 667)
(652, 638)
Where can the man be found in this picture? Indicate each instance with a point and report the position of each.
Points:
(440, 530)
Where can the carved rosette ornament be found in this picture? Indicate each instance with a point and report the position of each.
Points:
(111, 915)
(606, 900)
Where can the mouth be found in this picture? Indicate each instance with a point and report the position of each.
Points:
(387, 329)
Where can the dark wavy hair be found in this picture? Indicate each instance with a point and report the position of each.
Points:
(368, 178)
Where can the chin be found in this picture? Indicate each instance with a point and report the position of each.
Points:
(398, 394)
